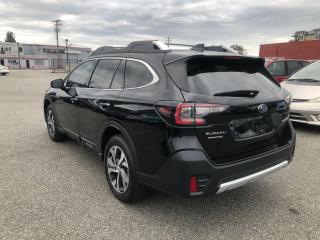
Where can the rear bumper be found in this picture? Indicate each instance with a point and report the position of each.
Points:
(250, 178)
(4, 71)
(174, 175)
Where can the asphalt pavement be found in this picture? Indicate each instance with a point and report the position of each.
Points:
(58, 190)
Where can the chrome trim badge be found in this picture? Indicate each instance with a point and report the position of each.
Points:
(262, 108)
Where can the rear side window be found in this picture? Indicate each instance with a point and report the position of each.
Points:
(80, 76)
(137, 74)
(118, 79)
(212, 76)
(277, 68)
(103, 73)
(293, 66)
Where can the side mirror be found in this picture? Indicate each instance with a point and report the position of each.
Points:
(57, 83)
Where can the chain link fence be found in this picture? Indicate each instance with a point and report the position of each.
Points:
(63, 65)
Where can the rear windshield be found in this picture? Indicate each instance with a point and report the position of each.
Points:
(210, 76)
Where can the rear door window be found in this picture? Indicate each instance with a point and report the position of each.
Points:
(277, 68)
(137, 74)
(213, 76)
(293, 66)
(103, 73)
(118, 79)
(304, 63)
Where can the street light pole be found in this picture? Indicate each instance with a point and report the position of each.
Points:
(19, 55)
(67, 54)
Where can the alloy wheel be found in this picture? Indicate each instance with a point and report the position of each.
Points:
(50, 122)
(118, 169)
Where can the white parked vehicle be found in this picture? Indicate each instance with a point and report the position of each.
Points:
(4, 70)
(305, 88)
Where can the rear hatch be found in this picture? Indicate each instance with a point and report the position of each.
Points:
(241, 106)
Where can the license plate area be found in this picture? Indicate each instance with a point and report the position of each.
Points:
(252, 127)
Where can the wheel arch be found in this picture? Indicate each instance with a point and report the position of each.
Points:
(111, 129)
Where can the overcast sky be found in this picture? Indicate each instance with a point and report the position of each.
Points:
(95, 23)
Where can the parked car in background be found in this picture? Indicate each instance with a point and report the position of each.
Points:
(4, 70)
(305, 88)
(185, 122)
(281, 69)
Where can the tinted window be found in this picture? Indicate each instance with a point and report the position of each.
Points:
(293, 66)
(210, 76)
(303, 63)
(137, 74)
(118, 80)
(277, 68)
(103, 74)
(80, 76)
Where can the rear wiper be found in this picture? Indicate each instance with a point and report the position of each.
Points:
(239, 93)
(304, 79)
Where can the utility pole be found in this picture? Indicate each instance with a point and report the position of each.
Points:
(168, 41)
(57, 27)
(66, 40)
(19, 55)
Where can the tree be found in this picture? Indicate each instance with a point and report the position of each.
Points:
(239, 49)
(10, 37)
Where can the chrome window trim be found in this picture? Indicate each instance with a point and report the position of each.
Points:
(150, 69)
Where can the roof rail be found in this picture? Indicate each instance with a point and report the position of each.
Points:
(153, 46)
(200, 47)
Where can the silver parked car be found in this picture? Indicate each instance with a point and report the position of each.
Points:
(305, 88)
(4, 70)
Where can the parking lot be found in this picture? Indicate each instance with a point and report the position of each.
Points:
(58, 190)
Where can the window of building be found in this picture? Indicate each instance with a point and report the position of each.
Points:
(13, 62)
(20, 49)
(137, 74)
(80, 76)
(103, 74)
(39, 62)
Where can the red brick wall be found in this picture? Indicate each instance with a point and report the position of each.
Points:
(292, 50)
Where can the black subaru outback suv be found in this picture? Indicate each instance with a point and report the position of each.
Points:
(185, 122)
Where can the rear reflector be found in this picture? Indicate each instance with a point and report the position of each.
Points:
(193, 185)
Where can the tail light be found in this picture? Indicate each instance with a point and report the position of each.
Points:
(191, 113)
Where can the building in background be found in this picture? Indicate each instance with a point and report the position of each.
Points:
(305, 45)
(307, 50)
(40, 56)
(307, 35)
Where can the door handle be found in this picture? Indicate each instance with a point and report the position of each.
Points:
(104, 104)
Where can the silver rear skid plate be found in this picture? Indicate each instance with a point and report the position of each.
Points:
(250, 178)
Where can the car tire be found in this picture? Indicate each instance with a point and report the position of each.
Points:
(120, 171)
(53, 131)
